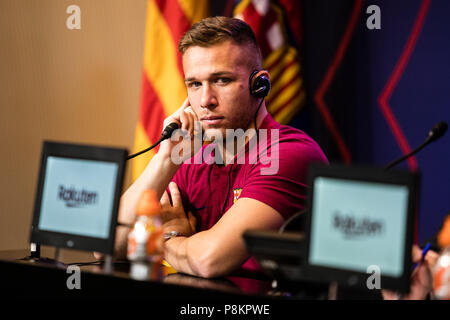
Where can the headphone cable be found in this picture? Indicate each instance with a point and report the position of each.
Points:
(256, 113)
(229, 172)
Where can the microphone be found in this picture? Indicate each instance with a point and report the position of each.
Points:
(166, 134)
(437, 131)
(434, 134)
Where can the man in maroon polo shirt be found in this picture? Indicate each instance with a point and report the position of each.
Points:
(239, 181)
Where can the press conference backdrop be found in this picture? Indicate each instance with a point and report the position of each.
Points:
(383, 89)
(371, 94)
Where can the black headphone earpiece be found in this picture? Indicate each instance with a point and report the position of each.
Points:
(260, 86)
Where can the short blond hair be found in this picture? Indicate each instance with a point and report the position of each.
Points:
(215, 30)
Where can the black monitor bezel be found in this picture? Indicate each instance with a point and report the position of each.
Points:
(82, 152)
(350, 278)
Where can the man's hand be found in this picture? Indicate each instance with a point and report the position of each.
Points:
(185, 138)
(173, 216)
(421, 280)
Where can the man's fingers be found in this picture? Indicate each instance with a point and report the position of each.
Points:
(185, 117)
(192, 220)
(185, 122)
(175, 193)
(179, 111)
(165, 200)
(196, 124)
(175, 117)
(190, 116)
(184, 105)
(191, 111)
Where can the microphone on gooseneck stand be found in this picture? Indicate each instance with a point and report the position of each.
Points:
(296, 221)
(166, 134)
(434, 134)
(437, 131)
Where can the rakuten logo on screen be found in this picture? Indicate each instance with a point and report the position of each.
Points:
(352, 227)
(77, 198)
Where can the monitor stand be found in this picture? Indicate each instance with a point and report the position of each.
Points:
(35, 250)
(35, 256)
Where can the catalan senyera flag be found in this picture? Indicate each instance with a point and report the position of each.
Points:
(269, 20)
(163, 89)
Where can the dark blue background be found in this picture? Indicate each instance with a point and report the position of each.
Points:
(420, 99)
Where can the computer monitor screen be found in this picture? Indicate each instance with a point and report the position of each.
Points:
(360, 220)
(77, 196)
(356, 224)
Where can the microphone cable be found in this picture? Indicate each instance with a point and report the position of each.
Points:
(166, 134)
(145, 150)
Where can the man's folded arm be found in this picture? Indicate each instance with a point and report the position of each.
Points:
(221, 249)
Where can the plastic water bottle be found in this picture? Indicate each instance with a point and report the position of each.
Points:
(441, 276)
(441, 271)
(145, 239)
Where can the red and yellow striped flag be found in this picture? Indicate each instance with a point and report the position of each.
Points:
(163, 89)
(281, 58)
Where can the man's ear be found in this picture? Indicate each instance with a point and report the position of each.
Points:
(266, 73)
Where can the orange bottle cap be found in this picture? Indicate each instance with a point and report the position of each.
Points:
(444, 234)
(148, 204)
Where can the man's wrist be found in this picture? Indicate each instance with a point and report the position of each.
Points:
(166, 163)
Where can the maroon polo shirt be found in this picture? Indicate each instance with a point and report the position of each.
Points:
(275, 173)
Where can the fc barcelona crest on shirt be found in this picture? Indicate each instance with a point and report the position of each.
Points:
(236, 194)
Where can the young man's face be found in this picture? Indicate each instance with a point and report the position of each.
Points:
(217, 83)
